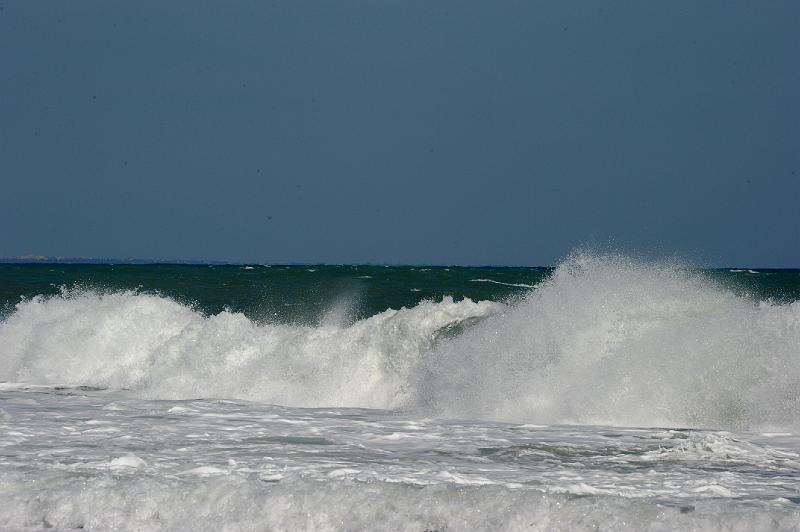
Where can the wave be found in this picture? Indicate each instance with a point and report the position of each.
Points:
(159, 348)
(610, 340)
(604, 340)
(518, 285)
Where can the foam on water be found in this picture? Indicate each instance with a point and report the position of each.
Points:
(162, 349)
(101, 460)
(233, 503)
(605, 340)
(608, 340)
(518, 285)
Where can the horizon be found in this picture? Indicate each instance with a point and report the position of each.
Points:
(130, 261)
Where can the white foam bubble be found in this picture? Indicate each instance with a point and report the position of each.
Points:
(130, 460)
(204, 471)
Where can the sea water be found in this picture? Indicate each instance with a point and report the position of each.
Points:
(606, 393)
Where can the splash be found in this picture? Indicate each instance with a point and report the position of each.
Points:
(605, 340)
(158, 348)
(609, 340)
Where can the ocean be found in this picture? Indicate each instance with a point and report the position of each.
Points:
(606, 393)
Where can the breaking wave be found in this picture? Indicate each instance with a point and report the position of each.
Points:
(604, 340)
(161, 349)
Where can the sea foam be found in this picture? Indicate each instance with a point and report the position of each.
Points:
(158, 348)
(234, 503)
(610, 340)
(604, 340)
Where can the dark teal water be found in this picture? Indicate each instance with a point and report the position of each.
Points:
(294, 294)
(305, 294)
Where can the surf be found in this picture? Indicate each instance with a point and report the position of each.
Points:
(611, 340)
(605, 339)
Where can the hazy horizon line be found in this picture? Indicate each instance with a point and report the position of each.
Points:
(53, 259)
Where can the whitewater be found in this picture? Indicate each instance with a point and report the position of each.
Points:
(608, 393)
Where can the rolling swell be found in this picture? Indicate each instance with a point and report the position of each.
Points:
(604, 340)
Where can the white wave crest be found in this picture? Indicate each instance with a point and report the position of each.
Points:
(162, 349)
(605, 340)
(609, 340)
(518, 285)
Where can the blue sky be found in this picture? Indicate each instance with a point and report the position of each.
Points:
(400, 132)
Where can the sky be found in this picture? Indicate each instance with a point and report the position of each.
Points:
(382, 131)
